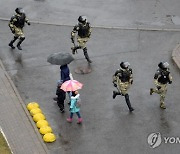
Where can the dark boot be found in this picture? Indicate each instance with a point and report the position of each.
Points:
(162, 105)
(128, 103)
(151, 91)
(55, 98)
(115, 93)
(12, 41)
(86, 55)
(74, 49)
(19, 43)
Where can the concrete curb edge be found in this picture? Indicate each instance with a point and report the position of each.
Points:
(24, 108)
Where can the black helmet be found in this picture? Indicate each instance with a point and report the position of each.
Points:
(163, 65)
(82, 19)
(19, 10)
(124, 65)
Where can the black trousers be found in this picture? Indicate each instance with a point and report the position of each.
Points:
(61, 104)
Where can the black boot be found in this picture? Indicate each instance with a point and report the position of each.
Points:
(128, 102)
(115, 93)
(19, 43)
(74, 49)
(12, 41)
(55, 98)
(151, 91)
(86, 55)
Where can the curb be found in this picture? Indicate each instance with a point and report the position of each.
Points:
(24, 107)
(176, 55)
(138, 27)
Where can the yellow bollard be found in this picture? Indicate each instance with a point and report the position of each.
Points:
(49, 137)
(45, 129)
(35, 111)
(41, 123)
(38, 116)
(32, 105)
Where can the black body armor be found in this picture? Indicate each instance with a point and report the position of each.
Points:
(124, 75)
(84, 30)
(20, 20)
(162, 76)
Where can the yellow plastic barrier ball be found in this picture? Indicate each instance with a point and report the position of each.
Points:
(41, 123)
(32, 105)
(49, 137)
(45, 129)
(35, 111)
(38, 116)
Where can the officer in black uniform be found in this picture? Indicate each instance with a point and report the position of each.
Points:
(122, 80)
(161, 78)
(16, 25)
(83, 30)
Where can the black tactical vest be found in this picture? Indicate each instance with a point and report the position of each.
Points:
(125, 75)
(20, 21)
(84, 30)
(164, 78)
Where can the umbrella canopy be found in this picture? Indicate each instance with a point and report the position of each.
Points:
(60, 58)
(71, 85)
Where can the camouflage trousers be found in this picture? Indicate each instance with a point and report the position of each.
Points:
(161, 89)
(123, 87)
(18, 32)
(82, 42)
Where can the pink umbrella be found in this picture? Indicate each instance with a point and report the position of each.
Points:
(71, 85)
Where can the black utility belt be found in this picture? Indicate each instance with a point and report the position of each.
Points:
(163, 83)
(124, 81)
(83, 36)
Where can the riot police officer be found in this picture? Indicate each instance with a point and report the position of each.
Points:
(122, 80)
(83, 30)
(16, 25)
(161, 78)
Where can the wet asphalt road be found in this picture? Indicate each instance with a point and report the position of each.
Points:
(108, 127)
(111, 13)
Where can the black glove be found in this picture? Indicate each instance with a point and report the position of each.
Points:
(29, 23)
(115, 85)
(72, 40)
(170, 82)
(131, 81)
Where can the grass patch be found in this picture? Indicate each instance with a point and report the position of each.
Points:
(4, 149)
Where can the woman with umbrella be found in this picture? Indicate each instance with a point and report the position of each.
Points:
(74, 108)
(73, 85)
(62, 59)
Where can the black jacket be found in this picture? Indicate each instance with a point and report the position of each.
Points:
(61, 95)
